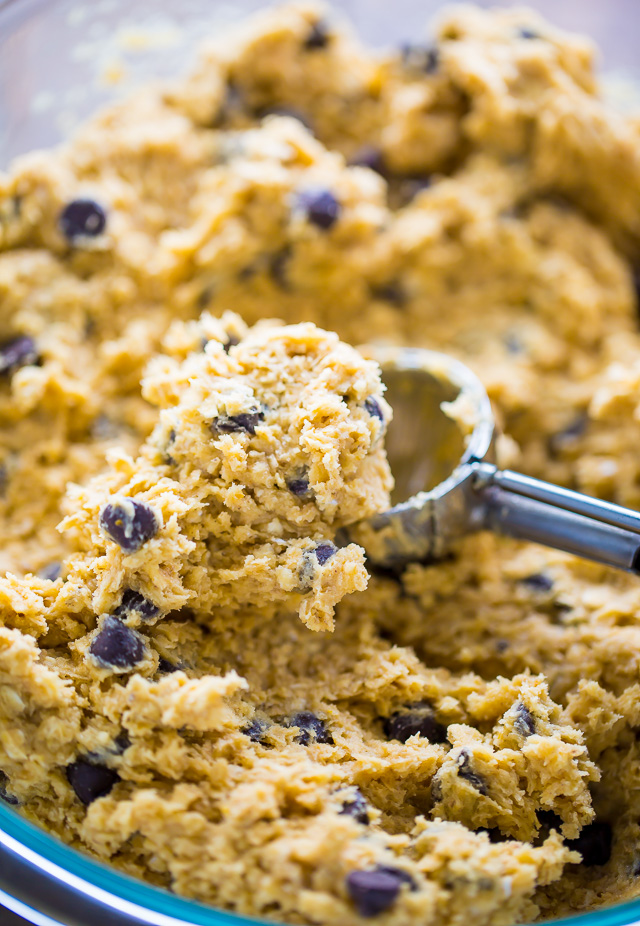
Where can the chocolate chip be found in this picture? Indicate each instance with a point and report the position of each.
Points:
(134, 602)
(372, 406)
(423, 58)
(299, 486)
(371, 157)
(90, 781)
(51, 571)
(165, 666)
(312, 729)
(593, 843)
(17, 352)
(82, 218)
(129, 523)
(4, 794)
(400, 873)
(311, 559)
(324, 551)
(356, 807)
(278, 267)
(116, 646)
(415, 718)
(537, 582)
(318, 37)
(567, 437)
(205, 297)
(232, 341)
(524, 722)
(409, 187)
(121, 743)
(245, 422)
(465, 771)
(233, 104)
(375, 890)
(255, 730)
(513, 344)
(390, 292)
(320, 207)
(525, 32)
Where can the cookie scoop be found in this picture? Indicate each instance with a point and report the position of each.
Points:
(441, 445)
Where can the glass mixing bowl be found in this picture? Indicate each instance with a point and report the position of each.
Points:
(59, 60)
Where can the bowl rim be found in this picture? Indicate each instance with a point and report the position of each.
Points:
(77, 883)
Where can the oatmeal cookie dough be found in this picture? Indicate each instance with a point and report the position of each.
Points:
(268, 442)
(175, 472)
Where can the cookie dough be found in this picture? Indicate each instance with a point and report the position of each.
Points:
(176, 471)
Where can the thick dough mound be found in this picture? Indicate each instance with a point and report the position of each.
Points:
(269, 441)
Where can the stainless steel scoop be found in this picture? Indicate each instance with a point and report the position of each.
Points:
(452, 486)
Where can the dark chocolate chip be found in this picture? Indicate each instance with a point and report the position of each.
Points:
(232, 341)
(415, 718)
(324, 551)
(245, 422)
(129, 523)
(17, 352)
(423, 58)
(390, 292)
(513, 344)
(4, 794)
(524, 722)
(121, 743)
(375, 890)
(298, 486)
(312, 729)
(133, 601)
(278, 268)
(399, 873)
(357, 807)
(320, 207)
(537, 582)
(318, 37)
(90, 781)
(116, 646)
(51, 571)
(372, 406)
(233, 104)
(311, 559)
(205, 297)
(371, 157)
(593, 843)
(409, 187)
(82, 218)
(465, 771)
(255, 730)
(567, 437)
(165, 666)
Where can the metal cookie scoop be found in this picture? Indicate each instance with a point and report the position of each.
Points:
(440, 446)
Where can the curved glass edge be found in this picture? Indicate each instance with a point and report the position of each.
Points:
(93, 875)
(48, 852)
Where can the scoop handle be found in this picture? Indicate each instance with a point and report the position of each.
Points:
(529, 509)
